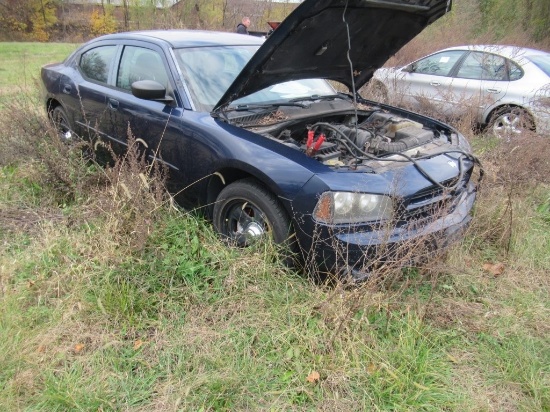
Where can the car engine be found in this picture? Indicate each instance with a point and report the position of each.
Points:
(348, 139)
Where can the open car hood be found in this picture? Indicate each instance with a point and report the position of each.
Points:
(312, 42)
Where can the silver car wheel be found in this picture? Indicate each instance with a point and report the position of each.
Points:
(511, 123)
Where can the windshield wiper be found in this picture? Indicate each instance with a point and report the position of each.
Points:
(246, 107)
(315, 97)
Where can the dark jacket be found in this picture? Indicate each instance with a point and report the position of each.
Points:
(241, 29)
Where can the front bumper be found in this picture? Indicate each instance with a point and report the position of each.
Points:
(360, 251)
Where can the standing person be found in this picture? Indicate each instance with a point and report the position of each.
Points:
(242, 27)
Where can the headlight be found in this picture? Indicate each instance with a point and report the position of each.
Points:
(350, 207)
(462, 143)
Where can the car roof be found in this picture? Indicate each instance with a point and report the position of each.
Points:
(187, 38)
(504, 50)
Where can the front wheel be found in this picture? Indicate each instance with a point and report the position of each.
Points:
(245, 213)
(510, 122)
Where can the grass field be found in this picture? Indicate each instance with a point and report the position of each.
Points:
(105, 305)
(20, 64)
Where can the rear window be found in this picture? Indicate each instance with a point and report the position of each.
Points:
(542, 62)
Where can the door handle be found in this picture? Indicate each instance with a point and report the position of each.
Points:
(113, 104)
(67, 88)
(434, 83)
(493, 90)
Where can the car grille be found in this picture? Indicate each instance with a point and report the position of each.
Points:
(430, 203)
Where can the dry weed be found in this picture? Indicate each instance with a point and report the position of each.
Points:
(127, 194)
(28, 136)
(135, 194)
(520, 162)
(514, 169)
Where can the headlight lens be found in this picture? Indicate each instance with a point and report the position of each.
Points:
(343, 202)
(349, 207)
(463, 144)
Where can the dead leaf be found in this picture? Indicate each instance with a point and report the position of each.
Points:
(78, 347)
(313, 377)
(41, 349)
(371, 368)
(138, 344)
(496, 269)
(452, 358)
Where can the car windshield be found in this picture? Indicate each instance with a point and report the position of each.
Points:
(542, 61)
(209, 71)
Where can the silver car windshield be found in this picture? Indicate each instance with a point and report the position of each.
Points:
(209, 71)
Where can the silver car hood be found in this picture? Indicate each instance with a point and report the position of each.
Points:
(313, 42)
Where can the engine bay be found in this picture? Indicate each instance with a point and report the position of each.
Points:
(348, 139)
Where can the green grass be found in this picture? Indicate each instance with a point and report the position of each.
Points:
(106, 307)
(21, 62)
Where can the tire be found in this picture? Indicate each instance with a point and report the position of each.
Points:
(67, 136)
(511, 122)
(62, 125)
(245, 212)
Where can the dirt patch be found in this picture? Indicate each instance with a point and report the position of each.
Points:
(26, 220)
(469, 316)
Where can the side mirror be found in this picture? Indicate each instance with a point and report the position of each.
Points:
(150, 90)
(411, 68)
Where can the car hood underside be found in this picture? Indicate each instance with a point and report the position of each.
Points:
(320, 39)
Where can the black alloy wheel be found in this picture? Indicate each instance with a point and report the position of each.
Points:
(245, 213)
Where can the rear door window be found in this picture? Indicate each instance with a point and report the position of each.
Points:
(483, 66)
(515, 72)
(96, 63)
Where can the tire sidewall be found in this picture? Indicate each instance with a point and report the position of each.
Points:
(250, 191)
(59, 115)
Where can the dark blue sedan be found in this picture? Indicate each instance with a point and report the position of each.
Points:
(262, 141)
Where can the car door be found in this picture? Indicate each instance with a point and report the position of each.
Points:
(172, 133)
(83, 91)
(426, 83)
(480, 81)
(149, 122)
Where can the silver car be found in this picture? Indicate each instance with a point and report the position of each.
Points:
(506, 88)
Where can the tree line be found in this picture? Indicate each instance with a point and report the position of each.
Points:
(53, 20)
